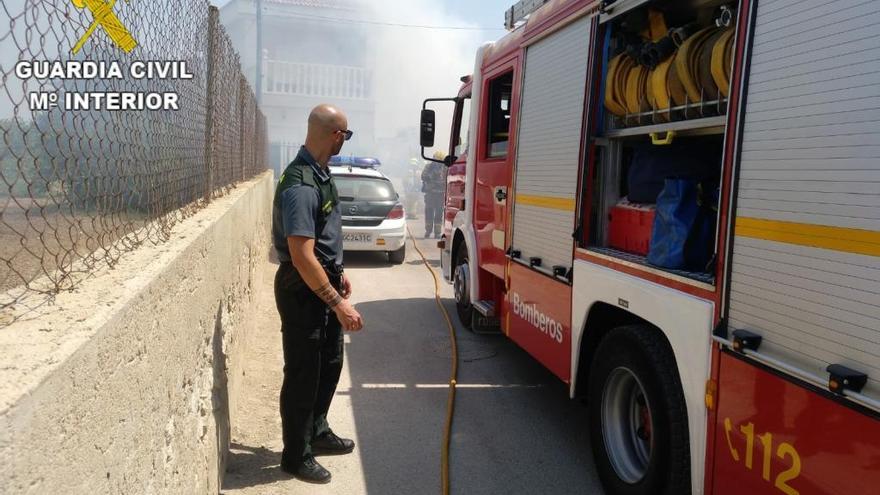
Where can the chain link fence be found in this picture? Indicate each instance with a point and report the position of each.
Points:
(80, 188)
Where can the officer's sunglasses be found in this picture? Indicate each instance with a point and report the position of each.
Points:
(348, 133)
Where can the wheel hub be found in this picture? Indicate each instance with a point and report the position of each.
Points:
(627, 425)
(460, 284)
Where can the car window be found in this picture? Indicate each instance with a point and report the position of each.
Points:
(364, 189)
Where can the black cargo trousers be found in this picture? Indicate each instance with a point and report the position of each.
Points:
(434, 205)
(312, 343)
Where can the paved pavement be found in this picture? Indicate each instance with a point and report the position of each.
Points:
(515, 429)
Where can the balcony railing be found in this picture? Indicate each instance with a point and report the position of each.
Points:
(318, 80)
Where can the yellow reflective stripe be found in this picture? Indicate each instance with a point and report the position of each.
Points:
(550, 202)
(842, 239)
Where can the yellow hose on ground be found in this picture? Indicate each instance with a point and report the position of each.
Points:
(450, 400)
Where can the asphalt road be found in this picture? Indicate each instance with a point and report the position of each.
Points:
(515, 429)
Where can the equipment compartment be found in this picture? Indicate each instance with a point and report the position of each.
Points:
(663, 75)
(674, 187)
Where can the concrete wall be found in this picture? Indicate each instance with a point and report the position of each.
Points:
(129, 384)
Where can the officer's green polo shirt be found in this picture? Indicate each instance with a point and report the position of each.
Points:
(297, 211)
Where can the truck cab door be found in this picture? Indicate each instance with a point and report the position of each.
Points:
(493, 169)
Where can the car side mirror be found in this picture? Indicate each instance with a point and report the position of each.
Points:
(427, 128)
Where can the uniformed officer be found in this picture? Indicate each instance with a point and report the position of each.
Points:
(311, 293)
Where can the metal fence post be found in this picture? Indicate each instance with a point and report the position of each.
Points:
(255, 132)
(242, 102)
(213, 23)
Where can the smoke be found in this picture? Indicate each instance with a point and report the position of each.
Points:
(405, 64)
(408, 65)
(413, 64)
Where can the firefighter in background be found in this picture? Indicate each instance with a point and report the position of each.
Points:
(434, 187)
(412, 191)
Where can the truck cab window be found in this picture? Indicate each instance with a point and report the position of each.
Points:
(462, 126)
(500, 90)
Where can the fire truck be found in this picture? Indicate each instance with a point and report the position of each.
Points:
(674, 206)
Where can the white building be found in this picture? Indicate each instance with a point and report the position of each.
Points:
(308, 58)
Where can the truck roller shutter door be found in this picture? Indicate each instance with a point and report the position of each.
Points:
(549, 144)
(805, 267)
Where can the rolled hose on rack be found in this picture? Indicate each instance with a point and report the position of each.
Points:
(687, 60)
(659, 93)
(703, 69)
(721, 61)
(636, 89)
(615, 83)
(663, 77)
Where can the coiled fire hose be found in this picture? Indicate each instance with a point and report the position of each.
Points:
(450, 399)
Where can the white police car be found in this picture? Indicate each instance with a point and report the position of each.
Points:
(372, 215)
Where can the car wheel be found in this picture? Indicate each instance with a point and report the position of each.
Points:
(461, 287)
(397, 257)
(638, 420)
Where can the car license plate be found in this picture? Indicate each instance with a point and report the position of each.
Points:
(357, 238)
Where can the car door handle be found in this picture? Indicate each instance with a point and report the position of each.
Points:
(500, 194)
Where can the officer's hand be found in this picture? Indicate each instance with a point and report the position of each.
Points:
(348, 316)
(345, 287)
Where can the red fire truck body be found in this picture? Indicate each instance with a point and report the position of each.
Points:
(755, 375)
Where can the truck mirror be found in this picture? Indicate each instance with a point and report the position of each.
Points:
(440, 115)
(427, 128)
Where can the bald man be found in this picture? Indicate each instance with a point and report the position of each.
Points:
(311, 293)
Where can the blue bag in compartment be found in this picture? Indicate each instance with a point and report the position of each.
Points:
(683, 235)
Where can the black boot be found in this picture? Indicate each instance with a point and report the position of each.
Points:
(309, 471)
(330, 444)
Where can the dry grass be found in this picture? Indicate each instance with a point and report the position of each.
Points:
(41, 242)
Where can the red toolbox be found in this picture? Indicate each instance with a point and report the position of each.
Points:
(630, 227)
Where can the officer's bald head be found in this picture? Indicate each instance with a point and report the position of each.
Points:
(324, 139)
(327, 118)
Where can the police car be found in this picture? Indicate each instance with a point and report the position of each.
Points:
(372, 215)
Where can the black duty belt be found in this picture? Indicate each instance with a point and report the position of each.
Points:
(334, 269)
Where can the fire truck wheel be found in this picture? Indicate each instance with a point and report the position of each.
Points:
(638, 420)
(461, 287)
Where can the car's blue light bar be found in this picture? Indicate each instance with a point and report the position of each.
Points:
(355, 161)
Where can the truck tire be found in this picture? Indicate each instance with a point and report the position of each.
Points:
(397, 257)
(461, 287)
(638, 419)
